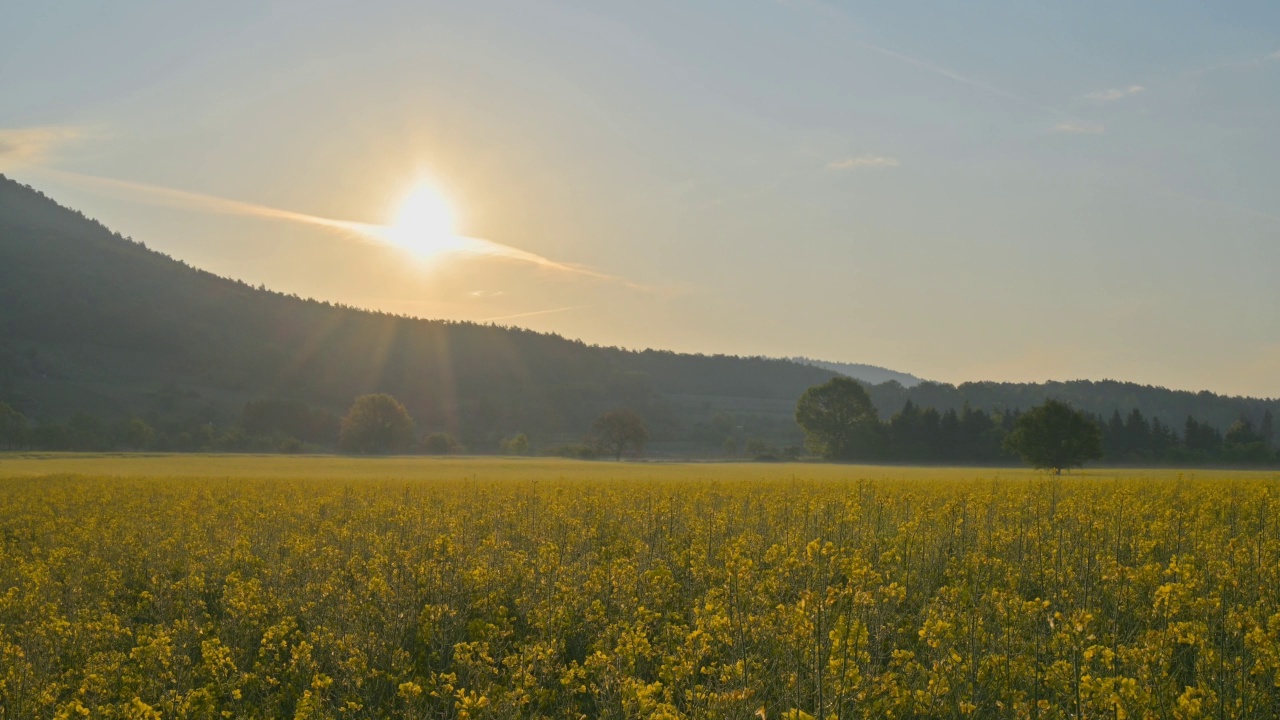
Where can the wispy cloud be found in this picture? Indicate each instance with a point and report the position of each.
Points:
(32, 145)
(837, 14)
(1078, 128)
(864, 161)
(957, 77)
(532, 313)
(169, 197)
(1114, 93)
(141, 192)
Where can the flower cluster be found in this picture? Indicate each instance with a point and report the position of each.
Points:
(1044, 598)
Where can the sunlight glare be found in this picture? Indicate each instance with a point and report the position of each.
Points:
(424, 223)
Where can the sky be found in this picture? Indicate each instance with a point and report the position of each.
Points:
(978, 190)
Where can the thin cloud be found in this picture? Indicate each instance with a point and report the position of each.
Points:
(32, 145)
(957, 77)
(864, 161)
(535, 312)
(1076, 128)
(1114, 93)
(169, 197)
(140, 192)
(842, 16)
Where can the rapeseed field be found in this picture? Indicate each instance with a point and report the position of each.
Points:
(271, 587)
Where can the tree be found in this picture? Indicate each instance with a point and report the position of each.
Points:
(517, 444)
(1243, 443)
(1202, 438)
(376, 424)
(758, 449)
(137, 434)
(440, 444)
(619, 429)
(13, 426)
(1242, 432)
(838, 419)
(271, 417)
(1054, 436)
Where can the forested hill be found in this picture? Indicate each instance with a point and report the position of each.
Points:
(91, 321)
(866, 374)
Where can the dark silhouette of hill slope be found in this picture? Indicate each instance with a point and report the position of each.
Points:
(90, 320)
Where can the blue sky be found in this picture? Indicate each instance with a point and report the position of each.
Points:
(965, 191)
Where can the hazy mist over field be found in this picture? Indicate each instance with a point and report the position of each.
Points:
(960, 191)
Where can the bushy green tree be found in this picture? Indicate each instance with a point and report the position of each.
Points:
(376, 424)
(1056, 437)
(838, 420)
(136, 434)
(517, 444)
(440, 444)
(618, 430)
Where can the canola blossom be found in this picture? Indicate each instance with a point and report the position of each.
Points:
(579, 590)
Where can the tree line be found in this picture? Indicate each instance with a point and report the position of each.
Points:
(841, 423)
(374, 424)
(838, 418)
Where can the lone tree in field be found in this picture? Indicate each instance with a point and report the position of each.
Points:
(617, 430)
(1055, 436)
(376, 424)
(838, 419)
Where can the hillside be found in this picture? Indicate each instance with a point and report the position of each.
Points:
(93, 322)
(866, 374)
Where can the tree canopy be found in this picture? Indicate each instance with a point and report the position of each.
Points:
(617, 430)
(376, 424)
(838, 419)
(1056, 437)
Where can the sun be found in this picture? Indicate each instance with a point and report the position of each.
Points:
(425, 223)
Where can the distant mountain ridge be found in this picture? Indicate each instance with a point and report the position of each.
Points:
(92, 321)
(869, 374)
